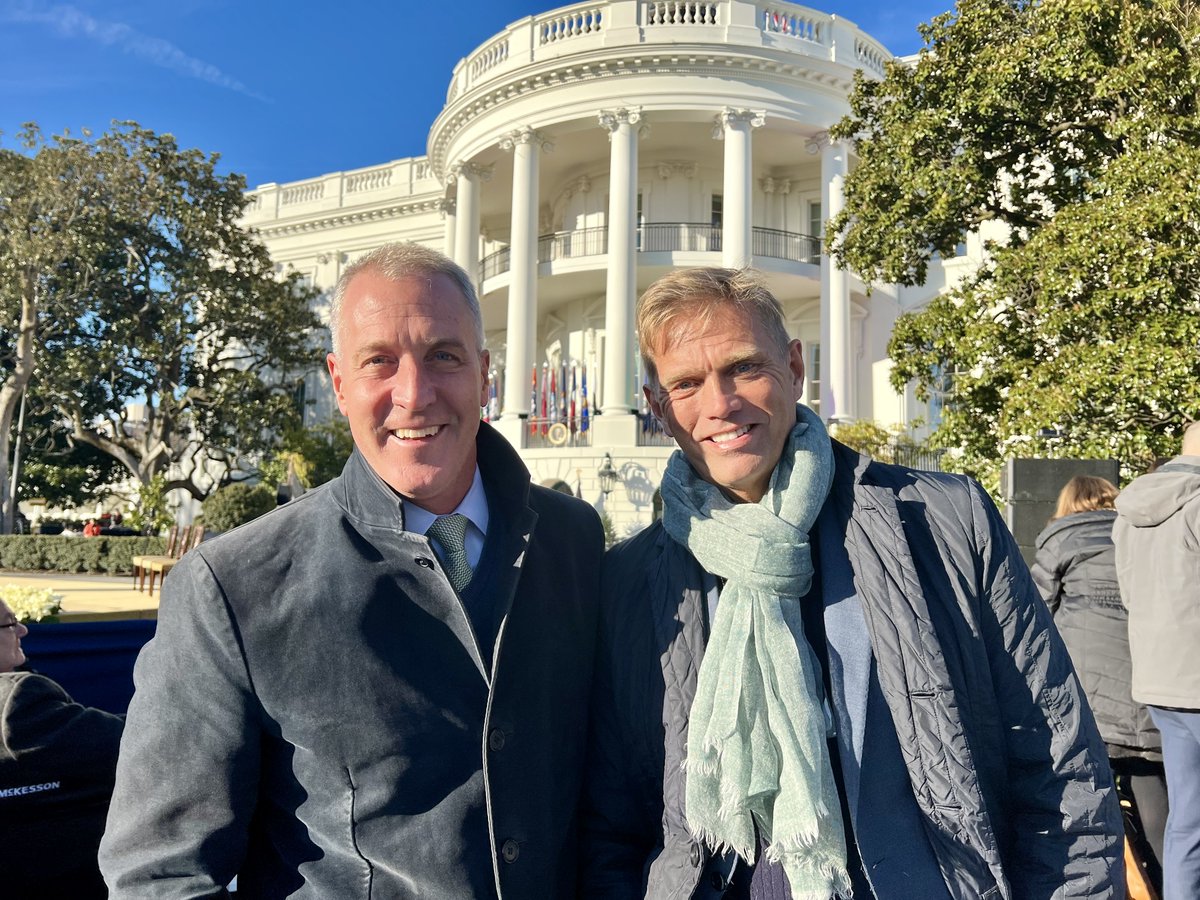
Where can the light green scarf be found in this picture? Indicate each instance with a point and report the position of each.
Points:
(757, 748)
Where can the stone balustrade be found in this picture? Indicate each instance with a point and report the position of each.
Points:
(571, 29)
(392, 181)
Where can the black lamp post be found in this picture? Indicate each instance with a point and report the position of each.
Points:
(607, 475)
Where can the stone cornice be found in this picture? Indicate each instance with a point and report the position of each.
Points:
(772, 68)
(324, 219)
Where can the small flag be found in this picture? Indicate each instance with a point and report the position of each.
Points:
(583, 415)
(533, 402)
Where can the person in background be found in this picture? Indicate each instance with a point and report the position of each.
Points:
(379, 689)
(57, 764)
(1157, 538)
(818, 673)
(1075, 569)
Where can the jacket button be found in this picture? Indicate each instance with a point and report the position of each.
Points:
(695, 854)
(496, 740)
(510, 850)
(424, 562)
(718, 882)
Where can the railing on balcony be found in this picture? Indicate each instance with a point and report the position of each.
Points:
(651, 433)
(572, 244)
(555, 434)
(661, 237)
(776, 244)
(665, 237)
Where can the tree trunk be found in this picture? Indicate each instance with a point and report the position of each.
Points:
(11, 391)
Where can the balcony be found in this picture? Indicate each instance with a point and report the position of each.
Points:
(661, 237)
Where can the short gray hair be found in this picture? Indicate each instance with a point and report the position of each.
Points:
(403, 259)
(695, 294)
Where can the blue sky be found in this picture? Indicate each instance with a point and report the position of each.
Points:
(282, 91)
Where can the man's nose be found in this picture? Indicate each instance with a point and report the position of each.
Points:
(720, 396)
(412, 388)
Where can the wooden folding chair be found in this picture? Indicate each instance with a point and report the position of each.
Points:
(163, 565)
(140, 562)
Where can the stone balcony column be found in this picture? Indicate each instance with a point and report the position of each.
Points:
(837, 379)
(623, 126)
(526, 145)
(466, 221)
(734, 126)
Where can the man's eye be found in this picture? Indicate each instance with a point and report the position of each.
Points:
(445, 356)
(375, 361)
(683, 387)
(744, 368)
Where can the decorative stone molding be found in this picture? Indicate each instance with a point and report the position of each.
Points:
(447, 206)
(666, 169)
(357, 217)
(470, 169)
(526, 136)
(612, 119)
(817, 143)
(767, 184)
(324, 259)
(731, 118)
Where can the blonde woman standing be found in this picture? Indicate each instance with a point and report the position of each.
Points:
(1076, 572)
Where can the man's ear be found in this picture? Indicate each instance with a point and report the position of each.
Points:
(335, 373)
(485, 361)
(651, 391)
(795, 363)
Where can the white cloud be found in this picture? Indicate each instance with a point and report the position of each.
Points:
(71, 22)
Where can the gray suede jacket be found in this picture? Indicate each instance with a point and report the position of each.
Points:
(1005, 763)
(1157, 536)
(316, 716)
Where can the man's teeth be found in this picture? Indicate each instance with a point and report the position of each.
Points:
(410, 433)
(730, 435)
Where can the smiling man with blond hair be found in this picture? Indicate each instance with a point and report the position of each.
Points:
(820, 675)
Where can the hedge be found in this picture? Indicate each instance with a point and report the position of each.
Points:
(55, 553)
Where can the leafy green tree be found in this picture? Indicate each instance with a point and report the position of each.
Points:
(317, 454)
(53, 225)
(63, 473)
(1070, 130)
(158, 325)
(153, 512)
(236, 504)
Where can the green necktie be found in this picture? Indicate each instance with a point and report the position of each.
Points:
(451, 533)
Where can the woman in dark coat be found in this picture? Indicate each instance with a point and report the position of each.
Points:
(57, 764)
(1075, 571)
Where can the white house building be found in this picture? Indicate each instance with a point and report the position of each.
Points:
(581, 154)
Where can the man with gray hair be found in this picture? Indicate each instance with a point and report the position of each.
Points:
(379, 689)
(820, 675)
(1157, 540)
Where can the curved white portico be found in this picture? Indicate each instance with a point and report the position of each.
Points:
(586, 151)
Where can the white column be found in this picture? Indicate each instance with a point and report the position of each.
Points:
(770, 217)
(525, 145)
(449, 225)
(621, 281)
(466, 224)
(733, 126)
(837, 381)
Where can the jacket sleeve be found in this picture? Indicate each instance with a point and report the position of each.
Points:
(620, 829)
(187, 779)
(1067, 833)
(1047, 571)
(39, 719)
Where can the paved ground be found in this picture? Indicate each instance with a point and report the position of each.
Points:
(89, 597)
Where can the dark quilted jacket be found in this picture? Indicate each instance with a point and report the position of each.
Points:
(1005, 761)
(1076, 573)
